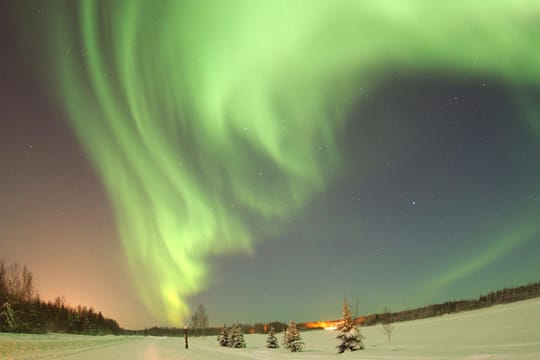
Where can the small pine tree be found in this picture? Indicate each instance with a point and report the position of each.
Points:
(350, 337)
(223, 337)
(272, 341)
(236, 337)
(291, 338)
(7, 318)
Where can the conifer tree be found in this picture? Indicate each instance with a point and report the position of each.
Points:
(223, 337)
(291, 338)
(7, 318)
(350, 337)
(236, 337)
(272, 341)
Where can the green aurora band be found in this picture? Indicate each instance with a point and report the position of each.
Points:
(208, 120)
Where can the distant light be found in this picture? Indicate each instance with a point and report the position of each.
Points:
(326, 325)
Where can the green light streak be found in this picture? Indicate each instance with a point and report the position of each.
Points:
(208, 120)
(504, 242)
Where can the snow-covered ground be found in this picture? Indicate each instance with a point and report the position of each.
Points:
(502, 332)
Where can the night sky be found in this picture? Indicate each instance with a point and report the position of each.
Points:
(268, 158)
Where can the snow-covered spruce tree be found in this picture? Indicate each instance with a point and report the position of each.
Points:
(7, 318)
(223, 337)
(291, 338)
(350, 337)
(236, 337)
(272, 341)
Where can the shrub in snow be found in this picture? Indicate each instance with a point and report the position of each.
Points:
(272, 342)
(387, 327)
(223, 337)
(7, 317)
(350, 337)
(236, 337)
(291, 338)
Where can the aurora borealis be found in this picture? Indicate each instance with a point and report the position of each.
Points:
(384, 149)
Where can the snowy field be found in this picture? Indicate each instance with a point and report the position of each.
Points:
(502, 332)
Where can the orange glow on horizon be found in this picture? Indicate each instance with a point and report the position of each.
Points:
(331, 324)
(327, 324)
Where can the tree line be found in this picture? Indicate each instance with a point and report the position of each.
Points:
(504, 296)
(22, 310)
(258, 328)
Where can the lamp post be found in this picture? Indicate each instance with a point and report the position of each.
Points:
(186, 335)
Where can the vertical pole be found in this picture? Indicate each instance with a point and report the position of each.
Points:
(186, 336)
